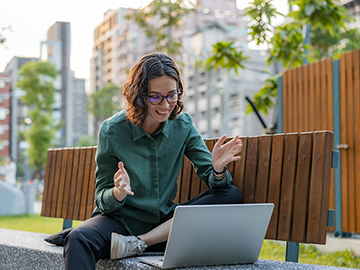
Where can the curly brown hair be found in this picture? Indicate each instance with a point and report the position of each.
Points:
(150, 66)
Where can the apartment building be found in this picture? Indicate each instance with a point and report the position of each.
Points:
(18, 111)
(354, 8)
(215, 100)
(71, 98)
(4, 115)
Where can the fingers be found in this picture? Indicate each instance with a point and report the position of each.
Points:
(221, 140)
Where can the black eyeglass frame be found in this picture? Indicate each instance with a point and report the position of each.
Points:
(162, 98)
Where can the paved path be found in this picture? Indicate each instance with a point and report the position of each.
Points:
(332, 243)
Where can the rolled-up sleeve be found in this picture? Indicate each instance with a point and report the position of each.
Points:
(200, 156)
(106, 167)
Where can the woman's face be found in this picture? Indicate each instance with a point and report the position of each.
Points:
(160, 86)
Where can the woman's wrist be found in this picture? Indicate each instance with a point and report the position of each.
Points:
(219, 174)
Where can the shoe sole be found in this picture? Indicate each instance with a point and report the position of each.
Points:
(114, 248)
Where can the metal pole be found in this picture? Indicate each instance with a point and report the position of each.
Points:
(337, 141)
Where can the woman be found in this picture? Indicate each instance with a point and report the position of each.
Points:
(139, 156)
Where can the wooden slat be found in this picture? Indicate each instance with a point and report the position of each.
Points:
(91, 193)
(75, 166)
(47, 179)
(275, 182)
(319, 188)
(357, 131)
(306, 93)
(239, 170)
(312, 95)
(61, 190)
(318, 100)
(285, 103)
(287, 187)
(291, 100)
(55, 191)
(323, 97)
(86, 179)
(69, 169)
(185, 182)
(210, 145)
(79, 184)
(51, 186)
(302, 114)
(251, 169)
(263, 169)
(303, 172)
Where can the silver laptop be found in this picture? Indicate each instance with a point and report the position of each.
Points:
(214, 235)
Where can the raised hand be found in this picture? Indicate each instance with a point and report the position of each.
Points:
(121, 183)
(223, 154)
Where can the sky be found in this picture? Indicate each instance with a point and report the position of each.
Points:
(31, 19)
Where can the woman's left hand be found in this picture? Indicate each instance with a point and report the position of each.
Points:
(223, 154)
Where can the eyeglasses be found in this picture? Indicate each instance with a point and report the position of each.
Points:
(157, 99)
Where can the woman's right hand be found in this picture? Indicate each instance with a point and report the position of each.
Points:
(121, 183)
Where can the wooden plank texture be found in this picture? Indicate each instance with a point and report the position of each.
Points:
(61, 189)
(302, 187)
(287, 186)
(275, 182)
(251, 169)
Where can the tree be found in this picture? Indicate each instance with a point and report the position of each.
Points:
(226, 56)
(289, 45)
(158, 20)
(105, 102)
(2, 37)
(37, 80)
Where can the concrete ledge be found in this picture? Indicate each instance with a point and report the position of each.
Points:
(28, 251)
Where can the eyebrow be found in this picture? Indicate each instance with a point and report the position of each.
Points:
(157, 93)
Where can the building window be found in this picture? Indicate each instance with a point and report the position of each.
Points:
(2, 83)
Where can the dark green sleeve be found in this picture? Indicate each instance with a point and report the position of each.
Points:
(106, 167)
(197, 151)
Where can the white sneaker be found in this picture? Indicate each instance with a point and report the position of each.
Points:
(125, 246)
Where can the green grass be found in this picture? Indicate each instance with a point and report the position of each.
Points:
(33, 223)
(309, 254)
(271, 250)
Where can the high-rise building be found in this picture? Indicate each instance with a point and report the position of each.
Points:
(18, 111)
(354, 9)
(215, 100)
(56, 49)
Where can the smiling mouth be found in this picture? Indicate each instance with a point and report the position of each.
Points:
(163, 113)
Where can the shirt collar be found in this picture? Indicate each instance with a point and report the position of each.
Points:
(138, 132)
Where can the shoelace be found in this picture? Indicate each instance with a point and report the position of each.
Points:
(136, 246)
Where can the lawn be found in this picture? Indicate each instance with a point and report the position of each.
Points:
(271, 249)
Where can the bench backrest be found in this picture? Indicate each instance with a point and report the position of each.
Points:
(290, 170)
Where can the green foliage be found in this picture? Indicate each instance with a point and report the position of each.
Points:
(86, 141)
(225, 55)
(2, 37)
(169, 13)
(105, 102)
(288, 47)
(321, 14)
(36, 79)
(324, 45)
(265, 98)
(261, 12)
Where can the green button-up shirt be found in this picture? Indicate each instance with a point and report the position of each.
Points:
(153, 163)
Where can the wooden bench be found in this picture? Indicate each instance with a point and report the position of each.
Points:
(290, 170)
